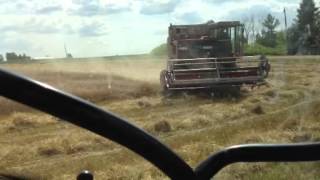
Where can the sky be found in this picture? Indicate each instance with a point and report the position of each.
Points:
(92, 28)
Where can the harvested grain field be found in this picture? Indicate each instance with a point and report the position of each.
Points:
(195, 125)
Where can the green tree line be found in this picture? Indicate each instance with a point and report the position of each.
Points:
(302, 37)
(14, 57)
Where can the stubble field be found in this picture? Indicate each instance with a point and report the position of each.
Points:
(285, 110)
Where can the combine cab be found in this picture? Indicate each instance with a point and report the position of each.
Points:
(208, 56)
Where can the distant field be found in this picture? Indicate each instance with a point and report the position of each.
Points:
(285, 110)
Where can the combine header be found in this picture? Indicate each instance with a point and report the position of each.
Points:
(208, 56)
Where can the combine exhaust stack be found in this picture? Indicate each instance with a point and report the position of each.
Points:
(206, 56)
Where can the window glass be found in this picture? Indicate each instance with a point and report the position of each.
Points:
(181, 70)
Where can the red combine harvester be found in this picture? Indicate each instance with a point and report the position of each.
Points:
(209, 56)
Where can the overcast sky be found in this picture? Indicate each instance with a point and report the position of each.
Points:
(114, 27)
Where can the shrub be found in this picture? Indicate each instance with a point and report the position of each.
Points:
(160, 50)
(257, 49)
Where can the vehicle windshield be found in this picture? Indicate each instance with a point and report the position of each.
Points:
(198, 75)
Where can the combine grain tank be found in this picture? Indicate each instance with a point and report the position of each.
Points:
(210, 55)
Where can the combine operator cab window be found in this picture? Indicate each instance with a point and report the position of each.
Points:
(231, 37)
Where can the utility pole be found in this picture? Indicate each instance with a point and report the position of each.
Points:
(285, 19)
(286, 26)
(65, 50)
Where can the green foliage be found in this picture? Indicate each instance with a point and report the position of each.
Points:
(258, 49)
(1, 58)
(13, 57)
(249, 49)
(268, 35)
(318, 23)
(307, 16)
(160, 50)
(303, 35)
(293, 39)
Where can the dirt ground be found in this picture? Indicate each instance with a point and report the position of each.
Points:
(195, 125)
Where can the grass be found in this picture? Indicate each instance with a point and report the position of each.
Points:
(43, 147)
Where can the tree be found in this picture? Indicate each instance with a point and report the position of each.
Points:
(1, 58)
(307, 16)
(246, 23)
(161, 50)
(318, 22)
(318, 31)
(253, 28)
(293, 36)
(13, 57)
(306, 28)
(268, 36)
(250, 28)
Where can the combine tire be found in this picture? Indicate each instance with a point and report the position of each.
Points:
(164, 83)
